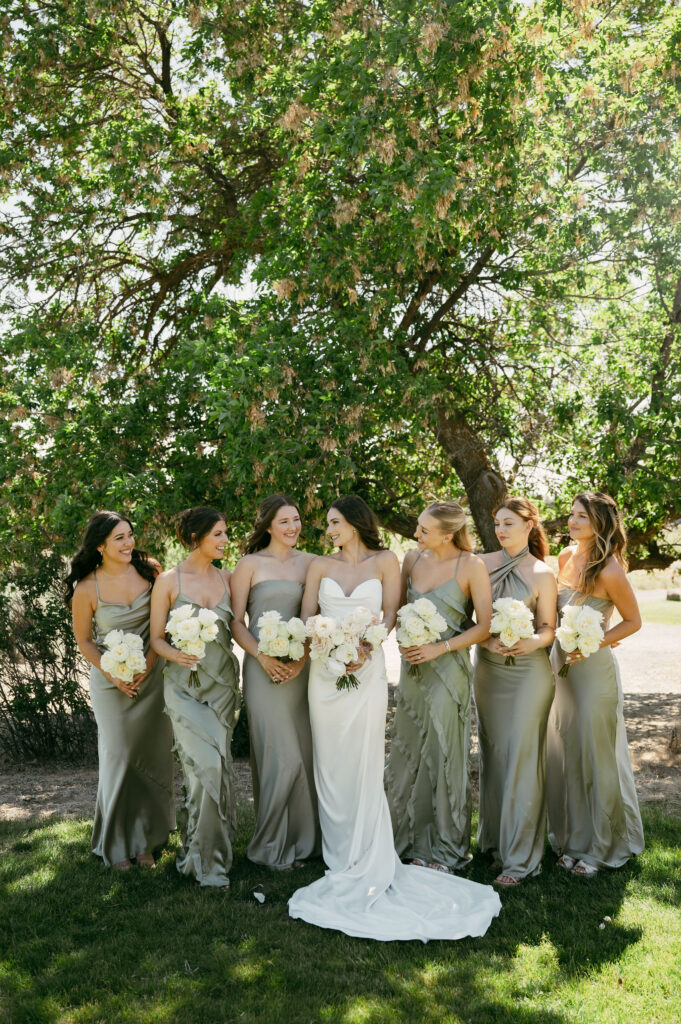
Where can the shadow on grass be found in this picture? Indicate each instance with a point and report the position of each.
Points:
(82, 944)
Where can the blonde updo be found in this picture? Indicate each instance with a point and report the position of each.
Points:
(451, 518)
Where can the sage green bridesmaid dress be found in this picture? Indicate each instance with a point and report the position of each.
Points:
(427, 774)
(204, 718)
(513, 704)
(134, 813)
(287, 821)
(592, 805)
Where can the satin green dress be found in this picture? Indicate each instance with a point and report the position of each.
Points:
(427, 774)
(134, 812)
(287, 821)
(513, 704)
(592, 805)
(204, 718)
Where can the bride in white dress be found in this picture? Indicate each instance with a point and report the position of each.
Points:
(366, 890)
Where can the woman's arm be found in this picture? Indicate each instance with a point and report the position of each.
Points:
(310, 605)
(407, 566)
(161, 603)
(621, 593)
(544, 618)
(392, 587)
(240, 587)
(82, 611)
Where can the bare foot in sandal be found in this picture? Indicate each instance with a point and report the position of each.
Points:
(507, 880)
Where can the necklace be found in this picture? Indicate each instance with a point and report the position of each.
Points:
(115, 575)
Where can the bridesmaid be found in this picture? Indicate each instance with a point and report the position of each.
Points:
(594, 819)
(427, 775)
(110, 584)
(203, 716)
(271, 577)
(514, 701)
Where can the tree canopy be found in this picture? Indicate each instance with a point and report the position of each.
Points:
(405, 248)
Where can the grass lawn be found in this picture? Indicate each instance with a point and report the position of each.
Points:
(79, 943)
(665, 613)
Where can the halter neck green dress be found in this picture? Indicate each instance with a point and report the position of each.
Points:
(513, 704)
(287, 822)
(134, 812)
(427, 775)
(204, 718)
(592, 805)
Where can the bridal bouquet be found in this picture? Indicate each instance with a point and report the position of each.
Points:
(512, 621)
(190, 633)
(338, 644)
(419, 622)
(124, 655)
(281, 638)
(580, 629)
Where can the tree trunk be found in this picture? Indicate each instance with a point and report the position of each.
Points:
(484, 485)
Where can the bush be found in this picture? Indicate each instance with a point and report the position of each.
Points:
(44, 710)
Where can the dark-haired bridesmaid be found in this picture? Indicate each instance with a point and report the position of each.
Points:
(271, 577)
(427, 776)
(594, 818)
(109, 585)
(514, 700)
(202, 697)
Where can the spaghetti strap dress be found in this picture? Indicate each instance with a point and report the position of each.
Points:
(134, 812)
(427, 774)
(513, 704)
(592, 805)
(287, 822)
(204, 718)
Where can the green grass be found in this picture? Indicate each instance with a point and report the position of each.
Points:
(665, 613)
(79, 943)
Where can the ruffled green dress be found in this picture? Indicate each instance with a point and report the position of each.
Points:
(513, 704)
(592, 805)
(287, 821)
(427, 775)
(134, 813)
(204, 718)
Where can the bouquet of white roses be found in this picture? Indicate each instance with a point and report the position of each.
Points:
(124, 655)
(419, 622)
(339, 644)
(281, 638)
(580, 629)
(190, 633)
(512, 621)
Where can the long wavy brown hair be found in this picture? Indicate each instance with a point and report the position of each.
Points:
(259, 537)
(523, 507)
(610, 539)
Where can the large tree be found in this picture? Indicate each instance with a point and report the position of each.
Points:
(444, 208)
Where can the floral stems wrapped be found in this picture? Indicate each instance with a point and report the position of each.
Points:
(580, 630)
(279, 638)
(419, 622)
(190, 633)
(339, 644)
(124, 655)
(511, 621)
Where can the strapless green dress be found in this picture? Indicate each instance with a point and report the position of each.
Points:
(134, 811)
(427, 774)
(513, 704)
(592, 805)
(204, 718)
(287, 822)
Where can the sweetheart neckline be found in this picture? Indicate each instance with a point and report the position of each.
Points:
(354, 589)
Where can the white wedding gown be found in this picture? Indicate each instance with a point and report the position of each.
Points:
(366, 890)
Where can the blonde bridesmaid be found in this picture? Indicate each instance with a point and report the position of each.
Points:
(513, 701)
(427, 776)
(202, 698)
(110, 584)
(594, 818)
(271, 577)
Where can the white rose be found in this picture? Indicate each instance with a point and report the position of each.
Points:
(209, 633)
(188, 629)
(375, 635)
(185, 611)
(113, 637)
(121, 651)
(588, 647)
(137, 662)
(320, 647)
(270, 616)
(508, 637)
(207, 616)
(424, 608)
(567, 638)
(338, 636)
(320, 625)
(279, 646)
(268, 631)
(296, 650)
(108, 662)
(124, 672)
(358, 618)
(296, 628)
(196, 647)
(346, 653)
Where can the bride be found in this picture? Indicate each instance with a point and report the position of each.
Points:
(366, 890)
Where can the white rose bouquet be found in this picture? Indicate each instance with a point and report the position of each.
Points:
(281, 638)
(190, 633)
(512, 621)
(419, 622)
(124, 655)
(580, 629)
(339, 644)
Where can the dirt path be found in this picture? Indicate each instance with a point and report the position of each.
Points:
(650, 665)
